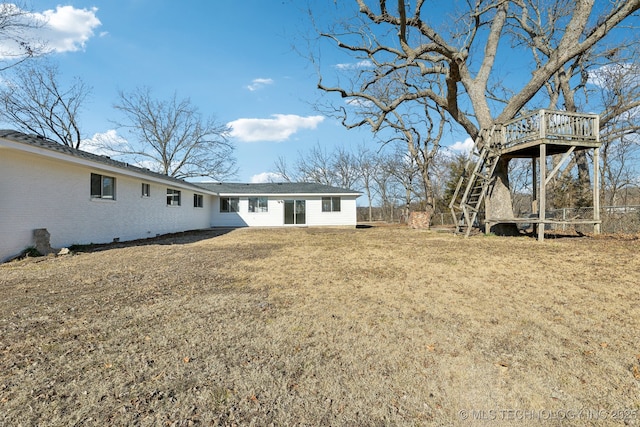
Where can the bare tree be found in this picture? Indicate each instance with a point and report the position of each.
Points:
(619, 89)
(418, 126)
(316, 166)
(346, 168)
(388, 189)
(368, 163)
(422, 140)
(34, 101)
(281, 168)
(573, 78)
(455, 65)
(172, 137)
(337, 168)
(17, 43)
(405, 174)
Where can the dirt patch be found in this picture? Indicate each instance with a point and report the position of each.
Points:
(371, 326)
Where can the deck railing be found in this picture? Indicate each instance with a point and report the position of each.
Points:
(554, 125)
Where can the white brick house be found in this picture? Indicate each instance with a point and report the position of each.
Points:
(83, 198)
(282, 204)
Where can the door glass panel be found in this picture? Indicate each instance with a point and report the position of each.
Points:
(289, 212)
(300, 212)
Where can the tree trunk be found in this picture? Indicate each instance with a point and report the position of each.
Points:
(498, 202)
(585, 195)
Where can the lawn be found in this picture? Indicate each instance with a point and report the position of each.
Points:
(376, 326)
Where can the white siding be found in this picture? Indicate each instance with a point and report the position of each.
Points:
(37, 192)
(275, 215)
(346, 216)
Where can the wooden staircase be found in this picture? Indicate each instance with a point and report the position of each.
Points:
(476, 181)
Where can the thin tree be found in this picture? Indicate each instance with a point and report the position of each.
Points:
(34, 101)
(283, 171)
(172, 138)
(619, 89)
(346, 168)
(368, 163)
(338, 167)
(316, 166)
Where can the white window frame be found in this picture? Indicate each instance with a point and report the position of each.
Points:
(258, 204)
(106, 183)
(335, 204)
(232, 204)
(174, 197)
(198, 200)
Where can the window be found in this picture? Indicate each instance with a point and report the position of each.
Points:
(258, 204)
(198, 201)
(173, 197)
(229, 204)
(146, 190)
(103, 187)
(331, 204)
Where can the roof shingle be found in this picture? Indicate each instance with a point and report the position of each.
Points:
(274, 188)
(215, 187)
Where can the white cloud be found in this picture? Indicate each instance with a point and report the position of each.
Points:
(259, 84)
(358, 102)
(354, 65)
(99, 143)
(65, 29)
(279, 128)
(462, 146)
(626, 74)
(112, 145)
(68, 28)
(266, 177)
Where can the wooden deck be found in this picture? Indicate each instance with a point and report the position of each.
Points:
(544, 133)
(559, 131)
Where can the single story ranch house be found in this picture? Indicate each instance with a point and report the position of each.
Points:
(83, 198)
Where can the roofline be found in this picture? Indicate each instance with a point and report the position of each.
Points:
(93, 161)
(277, 189)
(288, 194)
(70, 158)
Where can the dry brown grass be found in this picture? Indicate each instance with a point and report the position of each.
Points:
(380, 326)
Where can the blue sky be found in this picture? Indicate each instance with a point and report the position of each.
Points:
(233, 59)
(242, 61)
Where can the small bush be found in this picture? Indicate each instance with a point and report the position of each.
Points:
(30, 252)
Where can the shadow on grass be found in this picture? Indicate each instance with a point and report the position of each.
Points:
(556, 235)
(180, 238)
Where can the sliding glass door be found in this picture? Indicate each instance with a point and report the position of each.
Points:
(294, 212)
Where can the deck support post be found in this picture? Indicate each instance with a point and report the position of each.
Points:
(542, 192)
(534, 196)
(596, 190)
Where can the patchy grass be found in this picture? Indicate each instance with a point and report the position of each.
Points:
(378, 326)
